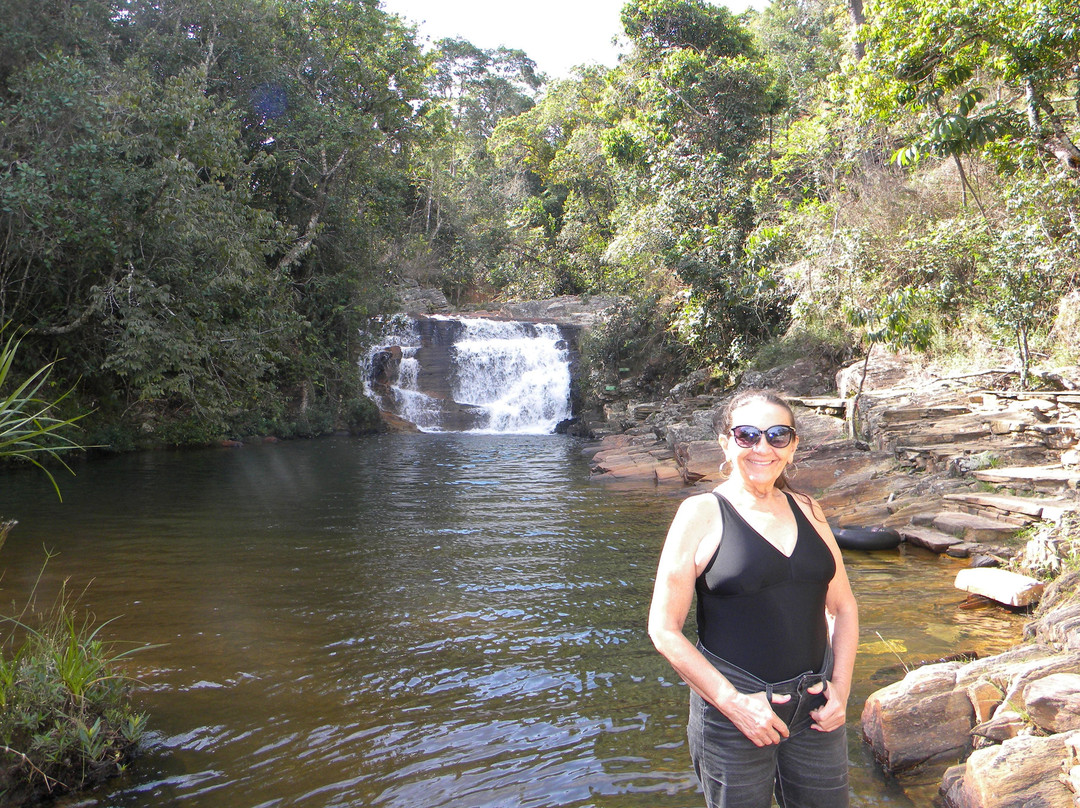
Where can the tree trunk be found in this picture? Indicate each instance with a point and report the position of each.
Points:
(858, 20)
(1040, 112)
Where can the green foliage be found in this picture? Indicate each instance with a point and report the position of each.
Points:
(66, 720)
(683, 25)
(1023, 284)
(926, 54)
(31, 423)
(813, 338)
(894, 321)
(203, 202)
(237, 168)
(804, 40)
(634, 336)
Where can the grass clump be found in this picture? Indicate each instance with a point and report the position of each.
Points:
(66, 718)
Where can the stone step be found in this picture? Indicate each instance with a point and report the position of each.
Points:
(1003, 586)
(1028, 509)
(928, 538)
(973, 527)
(1055, 435)
(836, 407)
(895, 415)
(1038, 478)
(963, 459)
(960, 426)
(947, 449)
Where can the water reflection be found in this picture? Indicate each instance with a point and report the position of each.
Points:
(432, 620)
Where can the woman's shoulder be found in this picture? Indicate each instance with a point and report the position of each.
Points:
(695, 502)
(807, 504)
(698, 507)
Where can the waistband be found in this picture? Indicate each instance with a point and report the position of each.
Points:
(746, 682)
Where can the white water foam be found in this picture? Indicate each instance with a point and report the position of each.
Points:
(405, 399)
(515, 376)
(518, 374)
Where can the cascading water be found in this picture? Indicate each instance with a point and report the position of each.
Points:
(469, 374)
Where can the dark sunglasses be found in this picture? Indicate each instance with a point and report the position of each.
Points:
(778, 436)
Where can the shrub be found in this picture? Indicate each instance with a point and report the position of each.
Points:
(66, 721)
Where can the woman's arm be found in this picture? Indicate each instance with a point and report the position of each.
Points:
(698, 518)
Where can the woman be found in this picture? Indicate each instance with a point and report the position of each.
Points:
(777, 623)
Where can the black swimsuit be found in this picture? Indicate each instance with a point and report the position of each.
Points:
(759, 609)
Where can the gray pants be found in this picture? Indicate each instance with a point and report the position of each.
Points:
(808, 769)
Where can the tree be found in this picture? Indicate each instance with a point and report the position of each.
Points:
(198, 197)
(927, 53)
(698, 98)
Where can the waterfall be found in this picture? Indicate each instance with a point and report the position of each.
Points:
(470, 374)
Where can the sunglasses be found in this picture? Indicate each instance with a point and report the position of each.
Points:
(777, 436)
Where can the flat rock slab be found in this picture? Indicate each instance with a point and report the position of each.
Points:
(1029, 474)
(1027, 506)
(1003, 586)
(972, 526)
(928, 538)
(904, 414)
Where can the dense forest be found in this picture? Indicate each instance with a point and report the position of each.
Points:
(202, 205)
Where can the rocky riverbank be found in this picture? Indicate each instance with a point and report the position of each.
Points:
(955, 466)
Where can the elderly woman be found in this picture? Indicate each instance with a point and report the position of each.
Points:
(777, 623)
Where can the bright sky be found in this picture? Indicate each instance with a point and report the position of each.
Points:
(556, 34)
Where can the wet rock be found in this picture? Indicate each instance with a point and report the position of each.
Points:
(1021, 771)
(929, 538)
(569, 309)
(395, 423)
(417, 299)
(920, 719)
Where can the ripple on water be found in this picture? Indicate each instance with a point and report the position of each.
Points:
(440, 621)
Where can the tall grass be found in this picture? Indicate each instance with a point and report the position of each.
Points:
(66, 718)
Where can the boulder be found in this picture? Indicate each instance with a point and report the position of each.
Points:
(1053, 702)
(1071, 765)
(985, 697)
(804, 377)
(1016, 677)
(1004, 724)
(1059, 627)
(922, 718)
(1021, 771)
(972, 526)
(884, 370)
(927, 537)
(1003, 586)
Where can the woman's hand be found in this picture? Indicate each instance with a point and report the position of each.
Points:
(754, 717)
(832, 714)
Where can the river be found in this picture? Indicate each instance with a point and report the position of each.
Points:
(437, 620)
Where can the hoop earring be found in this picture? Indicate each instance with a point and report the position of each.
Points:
(727, 473)
(791, 470)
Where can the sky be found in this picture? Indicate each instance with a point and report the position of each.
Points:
(556, 34)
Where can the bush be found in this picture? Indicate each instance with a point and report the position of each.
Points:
(66, 721)
(633, 339)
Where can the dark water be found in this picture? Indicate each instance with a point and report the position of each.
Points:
(448, 621)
